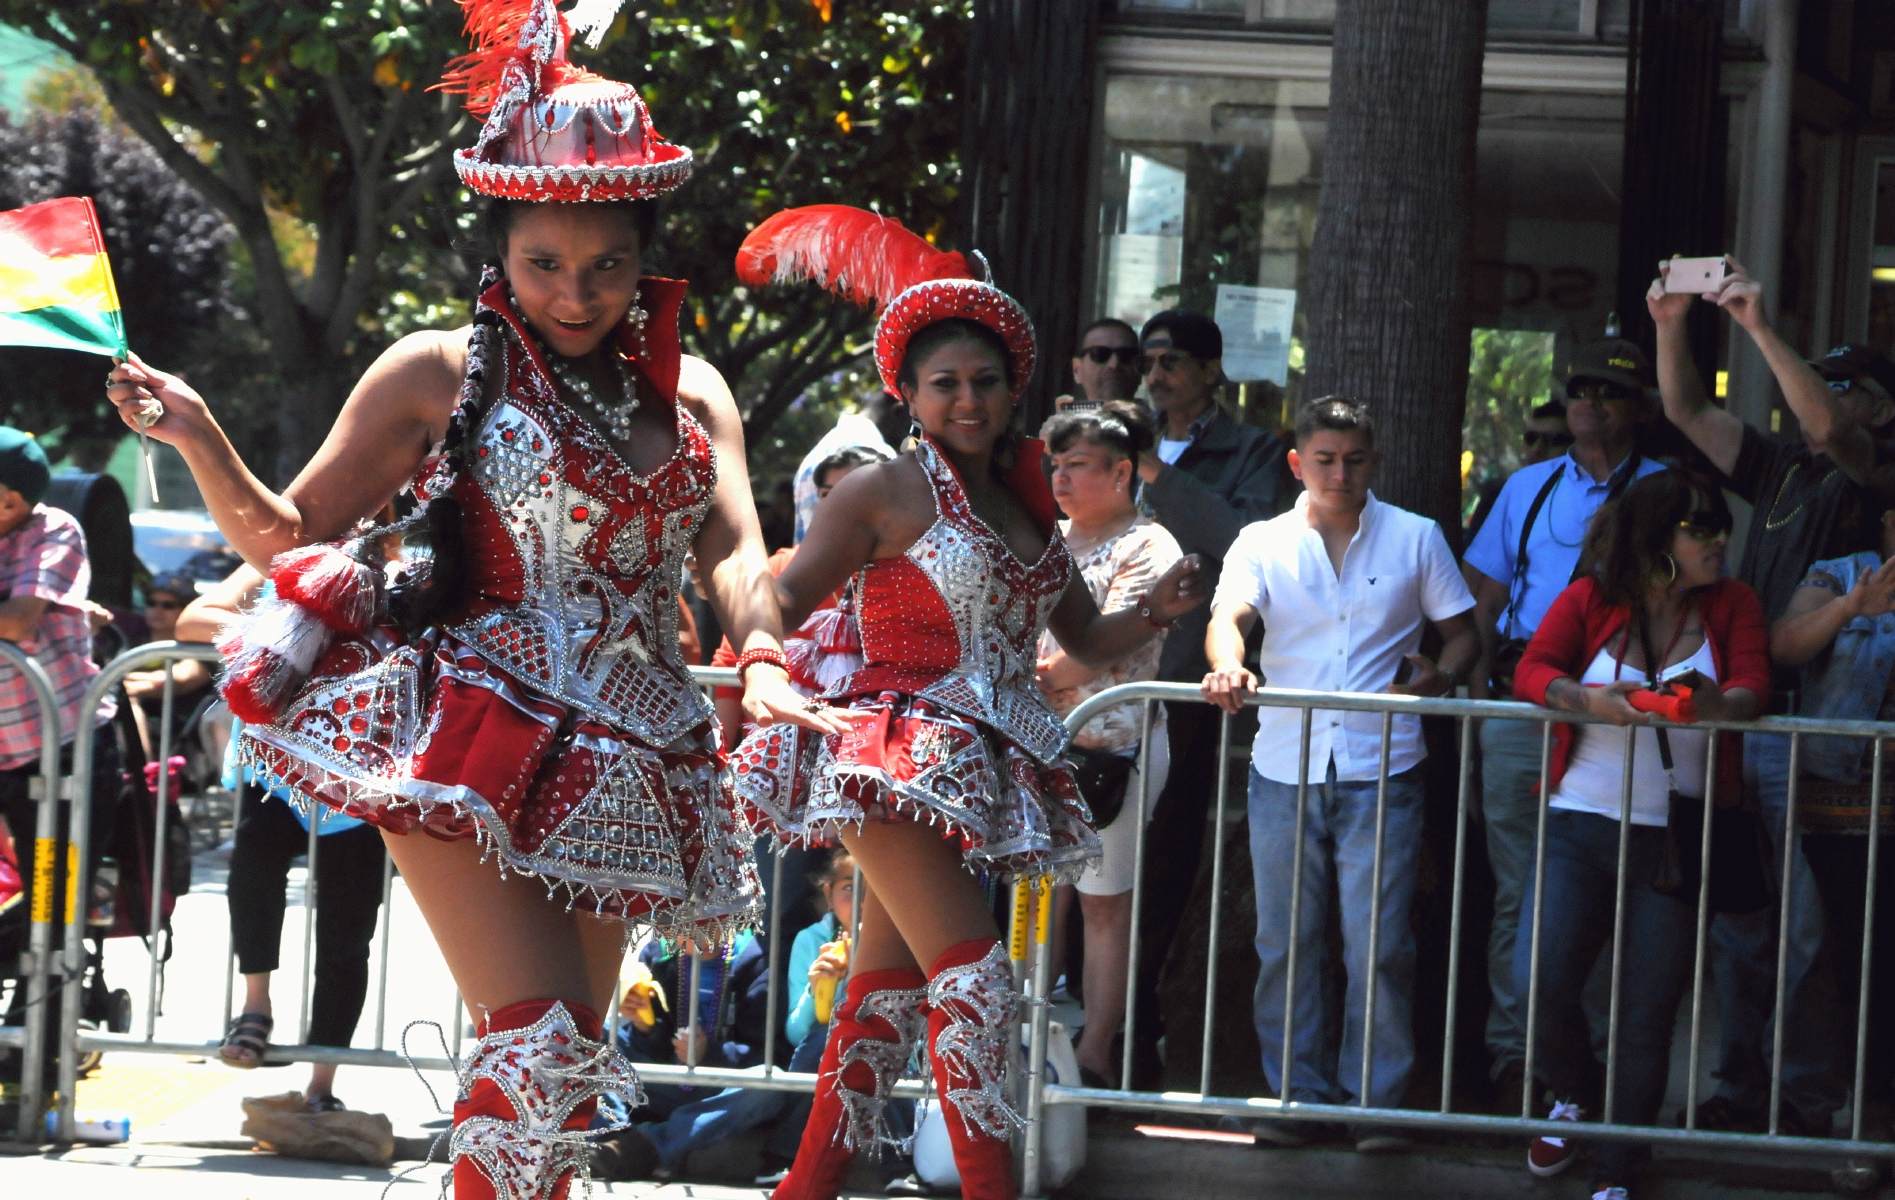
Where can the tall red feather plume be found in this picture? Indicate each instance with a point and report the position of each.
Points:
(494, 28)
(864, 258)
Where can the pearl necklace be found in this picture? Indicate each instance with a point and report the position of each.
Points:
(617, 417)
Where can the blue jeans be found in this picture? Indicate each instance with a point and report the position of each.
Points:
(1338, 842)
(1744, 970)
(1582, 867)
(1510, 809)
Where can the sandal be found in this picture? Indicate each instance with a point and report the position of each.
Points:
(249, 1034)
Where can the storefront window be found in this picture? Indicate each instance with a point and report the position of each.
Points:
(1208, 198)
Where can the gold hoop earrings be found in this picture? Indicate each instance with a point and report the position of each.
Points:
(1673, 564)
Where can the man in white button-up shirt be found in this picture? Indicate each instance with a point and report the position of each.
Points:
(1343, 584)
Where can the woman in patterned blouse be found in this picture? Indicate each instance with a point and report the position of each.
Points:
(1120, 555)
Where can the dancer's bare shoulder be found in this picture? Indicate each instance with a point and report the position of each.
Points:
(423, 370)
(705, 395)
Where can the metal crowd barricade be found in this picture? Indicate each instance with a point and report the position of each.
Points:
(36, 964)
(76, 1041)
(1037, 1092)
(1466, 712)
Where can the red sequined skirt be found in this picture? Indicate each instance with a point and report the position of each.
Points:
(430, 736)
(917, 761)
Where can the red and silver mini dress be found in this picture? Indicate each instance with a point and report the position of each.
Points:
(959, 735)
(553, 718)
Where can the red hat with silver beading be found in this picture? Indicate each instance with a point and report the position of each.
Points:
(554, 131)
(873, 261)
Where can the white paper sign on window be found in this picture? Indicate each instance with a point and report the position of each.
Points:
(1256, 326)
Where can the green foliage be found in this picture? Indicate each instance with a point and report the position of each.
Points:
(1509, 372)
(170, 259)
(787, 103)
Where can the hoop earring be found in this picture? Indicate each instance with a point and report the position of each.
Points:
(1673, 564)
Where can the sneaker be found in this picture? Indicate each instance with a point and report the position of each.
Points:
(1611, 1193)
(1550, 1155)
(1725, 1115)
(1370, 1140)
(910, 1184)
(774, 1169)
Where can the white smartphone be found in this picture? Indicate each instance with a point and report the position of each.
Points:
(1700, 276)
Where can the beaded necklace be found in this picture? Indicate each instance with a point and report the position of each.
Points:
(617, 418)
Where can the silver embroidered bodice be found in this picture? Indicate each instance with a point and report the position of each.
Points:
(577, 562)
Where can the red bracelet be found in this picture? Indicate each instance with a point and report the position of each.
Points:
(1144, 610)
(762, 654)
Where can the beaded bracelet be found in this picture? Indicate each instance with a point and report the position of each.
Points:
(1144, 610)
(761, 654)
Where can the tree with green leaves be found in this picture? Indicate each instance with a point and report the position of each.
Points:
(788, 103)
(169, 250)
(313, 111)
(315, 118)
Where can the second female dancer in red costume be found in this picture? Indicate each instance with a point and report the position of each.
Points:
(953, 764)
(519, 694)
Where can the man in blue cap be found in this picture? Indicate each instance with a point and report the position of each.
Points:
(43, 610)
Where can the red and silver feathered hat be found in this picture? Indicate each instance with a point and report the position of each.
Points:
(554, 131)
(872, 261)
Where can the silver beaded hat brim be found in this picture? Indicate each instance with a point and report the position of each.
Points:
(550, 183)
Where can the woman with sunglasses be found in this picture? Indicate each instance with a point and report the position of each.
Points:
(1650, 610)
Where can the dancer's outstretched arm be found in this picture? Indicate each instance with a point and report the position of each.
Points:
(397, 412)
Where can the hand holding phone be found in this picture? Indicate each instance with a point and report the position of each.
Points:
(1699, 276)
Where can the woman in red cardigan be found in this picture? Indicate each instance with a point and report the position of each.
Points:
(1652, 590)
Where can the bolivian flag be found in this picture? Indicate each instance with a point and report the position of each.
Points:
(55, 281)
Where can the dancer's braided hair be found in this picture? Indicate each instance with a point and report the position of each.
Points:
(424, 596)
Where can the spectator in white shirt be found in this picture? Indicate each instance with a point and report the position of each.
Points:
(880, 422)
(1343, 584)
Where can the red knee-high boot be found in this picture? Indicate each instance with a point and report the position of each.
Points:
(527, 1092)
(869, 1043)
(972, 1004)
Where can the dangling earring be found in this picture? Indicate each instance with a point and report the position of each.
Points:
(914, 434)
(1673, 564)
(638, 317)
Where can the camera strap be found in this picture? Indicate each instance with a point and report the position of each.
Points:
(1516, 589)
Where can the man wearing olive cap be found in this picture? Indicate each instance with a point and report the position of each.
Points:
(43, 611)
(1524, 555)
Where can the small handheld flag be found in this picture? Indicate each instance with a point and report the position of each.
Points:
(56, 286)
(56, 290)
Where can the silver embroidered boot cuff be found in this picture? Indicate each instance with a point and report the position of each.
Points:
(545, 1070)
(974, 1009)
(865, 1115)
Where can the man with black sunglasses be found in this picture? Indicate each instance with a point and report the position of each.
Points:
(1818, 497)
(1210, 476)
(1105, 366)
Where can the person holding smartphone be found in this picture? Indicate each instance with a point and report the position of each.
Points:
(1816, 497)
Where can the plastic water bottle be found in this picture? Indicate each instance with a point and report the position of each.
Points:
(94, 1126)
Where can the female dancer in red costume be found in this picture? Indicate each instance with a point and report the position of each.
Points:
(954, 761)
(530, 702)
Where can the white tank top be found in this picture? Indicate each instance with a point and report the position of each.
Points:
(1595, 773)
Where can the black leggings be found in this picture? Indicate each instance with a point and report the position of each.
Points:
(348, 895)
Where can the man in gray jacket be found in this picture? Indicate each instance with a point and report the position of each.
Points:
(1209, 477)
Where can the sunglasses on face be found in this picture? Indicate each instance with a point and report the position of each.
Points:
(1536, 437)
(1839, 386)
(166, 605)
(1101, 355)
(1706, 526)
(1167, 362)
(1598, 392)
